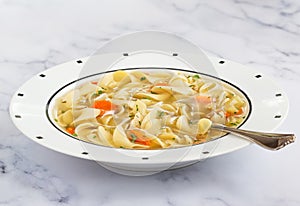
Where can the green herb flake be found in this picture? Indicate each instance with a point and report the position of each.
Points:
(137, 107)
(55, 120)
(75, 135)
(140, 123)
(173, 138)
(134, 137)
(94, 136)
(99, 92)
(233, 124)
(196, 76)
(143, 78)
(131, 115)
(64, 101)
(122, 147)
(160, 113)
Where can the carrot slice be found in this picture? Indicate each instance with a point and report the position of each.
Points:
(94, 83)
(203, 99)
(102, 112)
(228, 114)
(71, 130)
(239, 112)
(138, 137)
(104, 105)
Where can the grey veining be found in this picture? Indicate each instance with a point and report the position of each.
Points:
(38, 35)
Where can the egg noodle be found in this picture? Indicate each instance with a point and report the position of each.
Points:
(138, 109)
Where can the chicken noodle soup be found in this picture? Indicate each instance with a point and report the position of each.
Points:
(141, 109)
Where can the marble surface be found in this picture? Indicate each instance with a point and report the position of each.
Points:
(36, 35)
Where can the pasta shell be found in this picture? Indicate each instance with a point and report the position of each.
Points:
(137, 120)
(104, 136)
(183, 125)
(106, 119)
(168, 107)
(159, 76)
(94, 139)
(66, 102)
(61, 122)
(140, 107)
(218, 118)
(119, 75)
(185, 111)
(123, 82)
(86, 114)
(204, 125)
(136, 76)
(167, 134)
(152, 123)
(106, 80)
(85, 129)
(67, 117)
(120, 140)
(87, 89)
(162, 89)
(180, 86)
(156, 97)
(148, 102)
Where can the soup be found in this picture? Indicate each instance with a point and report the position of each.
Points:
(141, 109)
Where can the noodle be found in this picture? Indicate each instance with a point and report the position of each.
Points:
(148, 109)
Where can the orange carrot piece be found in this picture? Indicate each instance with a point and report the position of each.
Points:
(138, 137)
(229, 114)
(102, 112)
(104, 105)
(71, 130)
(203, 99)
(239, 112)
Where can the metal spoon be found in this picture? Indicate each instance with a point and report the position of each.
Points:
(271, 141)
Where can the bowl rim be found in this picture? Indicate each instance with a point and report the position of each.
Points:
(238, 74)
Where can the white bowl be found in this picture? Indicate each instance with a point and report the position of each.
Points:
(30, 104)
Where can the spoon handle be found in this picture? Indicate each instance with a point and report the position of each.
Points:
(271, 141)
